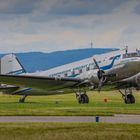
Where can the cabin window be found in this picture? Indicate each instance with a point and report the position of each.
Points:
(58, 75)
(80, 71)
(73, 73)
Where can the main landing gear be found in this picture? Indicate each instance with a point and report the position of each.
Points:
(82, 97)
(128, 96)
(22, 99)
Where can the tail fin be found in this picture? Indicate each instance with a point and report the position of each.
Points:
(11, 65)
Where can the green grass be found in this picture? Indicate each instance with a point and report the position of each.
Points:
(68, 131)
(67, 104)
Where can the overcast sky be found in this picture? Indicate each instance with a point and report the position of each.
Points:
(52, 25)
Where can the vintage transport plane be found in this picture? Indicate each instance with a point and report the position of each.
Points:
(119, 68)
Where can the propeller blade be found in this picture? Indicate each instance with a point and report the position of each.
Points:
(100, 84)
(96, 64)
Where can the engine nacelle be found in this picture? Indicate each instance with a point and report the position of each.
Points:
(93, 76)
(133, 81)
(138, 80)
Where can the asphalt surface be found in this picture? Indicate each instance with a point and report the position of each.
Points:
(131, 119)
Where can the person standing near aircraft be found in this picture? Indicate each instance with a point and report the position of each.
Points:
(126, 49)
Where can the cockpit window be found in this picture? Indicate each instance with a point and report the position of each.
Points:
(129, 55)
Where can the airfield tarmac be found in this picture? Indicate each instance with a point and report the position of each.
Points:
(130, 119)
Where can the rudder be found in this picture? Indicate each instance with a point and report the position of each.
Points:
(11, 65)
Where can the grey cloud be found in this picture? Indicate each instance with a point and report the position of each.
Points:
(58, 9)
(137, 9)
(130, 30)
(83, 7)
(17, 6)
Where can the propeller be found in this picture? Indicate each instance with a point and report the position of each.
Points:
(101, 75)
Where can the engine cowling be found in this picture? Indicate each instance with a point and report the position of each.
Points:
(138, 80)
(101, 74)
(94, 78)
(133, 81)
(96, 75)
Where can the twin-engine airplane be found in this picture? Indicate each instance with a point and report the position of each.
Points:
(120, 68)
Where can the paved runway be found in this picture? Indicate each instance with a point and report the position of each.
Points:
(131, 119)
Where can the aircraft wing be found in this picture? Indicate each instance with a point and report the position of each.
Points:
(39, 82)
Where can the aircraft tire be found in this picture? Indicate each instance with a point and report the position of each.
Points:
(83, 99)
(130, 99)
(86, 98)
(21, 100)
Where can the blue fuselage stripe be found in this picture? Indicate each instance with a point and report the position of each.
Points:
(24, 90)
(112, 63)
(104, 67)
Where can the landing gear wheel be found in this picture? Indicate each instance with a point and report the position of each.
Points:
(21, 100)
(83, 99)
(127, 96)
(129, 99)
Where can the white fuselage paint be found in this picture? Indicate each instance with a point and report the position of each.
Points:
(86, 67)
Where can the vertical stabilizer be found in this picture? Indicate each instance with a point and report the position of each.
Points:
(11, 65)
